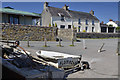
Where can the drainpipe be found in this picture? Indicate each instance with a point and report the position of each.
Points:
(51, 22)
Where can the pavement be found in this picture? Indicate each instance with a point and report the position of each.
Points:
(103, 64)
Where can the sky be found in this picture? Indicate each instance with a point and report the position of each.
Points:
(103, 10)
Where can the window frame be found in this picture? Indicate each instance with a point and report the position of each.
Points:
(79, 21)
(61, 27)
(86, 22)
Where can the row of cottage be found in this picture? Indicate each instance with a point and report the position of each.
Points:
(62, 18)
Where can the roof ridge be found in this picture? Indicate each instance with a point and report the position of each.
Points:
(69, 10)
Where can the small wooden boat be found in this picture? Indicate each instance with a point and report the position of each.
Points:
(59, 60)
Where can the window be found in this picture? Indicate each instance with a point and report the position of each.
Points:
(78, 28)
(69, 26)
(62, 18)
(62, 26)
(13, 19)
(86, 28)
(16, 20)
(34, 22)
(79, 22)
(92, 22)
(86, 22)
(92, 29)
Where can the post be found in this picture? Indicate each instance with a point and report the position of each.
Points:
(84, 45)
(59, 42)
(45, 39)
(118, 48)
(101, 48)
(28, 45)
(72, 42)
(45, 42)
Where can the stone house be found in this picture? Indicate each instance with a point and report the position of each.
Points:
(67, 19)
(12, 16)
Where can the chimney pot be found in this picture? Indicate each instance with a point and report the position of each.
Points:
(66, 7)
(45, 5)
(102, 22)
(110, 20)
(92, 12)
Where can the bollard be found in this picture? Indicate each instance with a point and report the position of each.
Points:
(28, 45)
(73, 42)
(101, 48)
(59, 42)
(84, 45)
(118, 49)
(45, 42)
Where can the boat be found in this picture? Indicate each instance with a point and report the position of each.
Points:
(60, 60)
(18, 64)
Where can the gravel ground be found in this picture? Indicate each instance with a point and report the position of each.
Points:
(103, 64)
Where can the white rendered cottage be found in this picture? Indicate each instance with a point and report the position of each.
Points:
(66, 19)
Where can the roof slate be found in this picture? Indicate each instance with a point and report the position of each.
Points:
(13, 11)
(70, 14)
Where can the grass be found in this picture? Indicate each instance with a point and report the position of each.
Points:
(60, 46)
(45, 46)
(72, 45)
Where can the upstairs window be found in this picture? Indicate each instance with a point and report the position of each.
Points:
(92, 22)
(62, 18)
(79, 22)
(86, 22)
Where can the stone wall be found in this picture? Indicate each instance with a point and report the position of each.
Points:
(67, 34)
(34, 33)
(98, 35)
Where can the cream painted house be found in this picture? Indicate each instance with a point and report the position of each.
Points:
(66, 19)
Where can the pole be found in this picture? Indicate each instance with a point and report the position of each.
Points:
(28, 41)
(59, 42)
(101, 48)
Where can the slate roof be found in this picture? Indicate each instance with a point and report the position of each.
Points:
(13, 11)
(103, 25)
(70, 14)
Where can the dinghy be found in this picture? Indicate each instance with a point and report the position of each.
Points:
(59, 60)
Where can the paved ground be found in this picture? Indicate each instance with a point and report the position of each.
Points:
(103, 65)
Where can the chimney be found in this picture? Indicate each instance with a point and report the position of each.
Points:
(110, 20)
(66, 7)
(45, 5)
(102, 22)
(92, 12)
